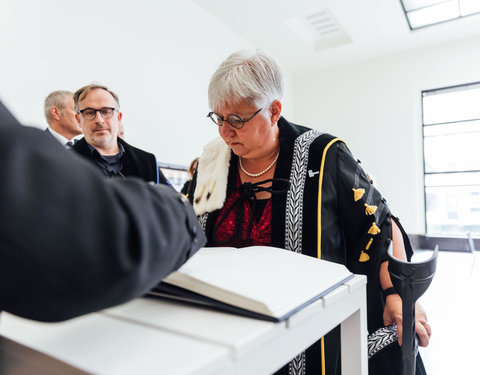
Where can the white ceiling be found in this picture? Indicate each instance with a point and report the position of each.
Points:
(375, 28)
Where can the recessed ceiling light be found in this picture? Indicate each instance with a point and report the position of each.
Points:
(319, 30)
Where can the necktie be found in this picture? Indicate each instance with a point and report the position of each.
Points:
(69, 144)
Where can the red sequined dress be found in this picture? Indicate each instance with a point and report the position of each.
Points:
(232, 227)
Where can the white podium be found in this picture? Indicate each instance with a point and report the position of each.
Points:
(152, 336)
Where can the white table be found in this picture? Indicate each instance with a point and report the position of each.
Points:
(152, 336)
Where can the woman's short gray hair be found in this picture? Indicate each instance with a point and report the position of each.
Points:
(246, 75)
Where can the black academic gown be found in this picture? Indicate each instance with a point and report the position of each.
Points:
(348, 234)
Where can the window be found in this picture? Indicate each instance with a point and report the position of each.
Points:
(451, 139)
(421, 13)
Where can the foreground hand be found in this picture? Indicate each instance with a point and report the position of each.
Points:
(393, 314)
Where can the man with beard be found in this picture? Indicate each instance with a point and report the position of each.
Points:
(98, 113)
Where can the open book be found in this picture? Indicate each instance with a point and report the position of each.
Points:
(258, 281)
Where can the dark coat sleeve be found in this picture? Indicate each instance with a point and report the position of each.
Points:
(73, 242)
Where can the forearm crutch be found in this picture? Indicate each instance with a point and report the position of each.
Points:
(410, 280)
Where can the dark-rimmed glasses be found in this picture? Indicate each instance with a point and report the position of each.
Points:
(234, 120)
(91, 113)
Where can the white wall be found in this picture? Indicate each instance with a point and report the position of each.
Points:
(375, 106)
(157, 55)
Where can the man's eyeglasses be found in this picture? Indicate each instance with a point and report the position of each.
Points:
(234, 120)
(91, 113)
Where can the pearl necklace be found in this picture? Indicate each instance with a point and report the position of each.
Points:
(262, 172)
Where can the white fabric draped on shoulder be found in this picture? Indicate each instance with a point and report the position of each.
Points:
(212, 177)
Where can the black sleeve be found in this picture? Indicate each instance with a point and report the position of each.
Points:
(73, 242)
(185, 187)
(192, 186)
(363, 211)
(367, 226)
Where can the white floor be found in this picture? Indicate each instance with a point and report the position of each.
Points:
(453, 309)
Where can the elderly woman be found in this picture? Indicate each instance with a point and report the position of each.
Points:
(267, 181)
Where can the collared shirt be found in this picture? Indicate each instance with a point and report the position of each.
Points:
(64, 141)
(111, 165)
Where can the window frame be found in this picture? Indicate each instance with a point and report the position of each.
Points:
(405, 12)
(423, 94)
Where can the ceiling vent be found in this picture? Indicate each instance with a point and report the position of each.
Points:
(319, 30)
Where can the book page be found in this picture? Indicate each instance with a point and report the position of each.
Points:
(264, 279)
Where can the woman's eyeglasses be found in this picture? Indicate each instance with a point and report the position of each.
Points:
(234, 120)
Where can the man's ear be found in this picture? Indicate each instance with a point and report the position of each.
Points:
(77, 117)
(55, 113)
(120, 116)
(275, 111)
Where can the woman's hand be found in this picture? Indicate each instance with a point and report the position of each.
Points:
(393, 314)
(423, 329)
